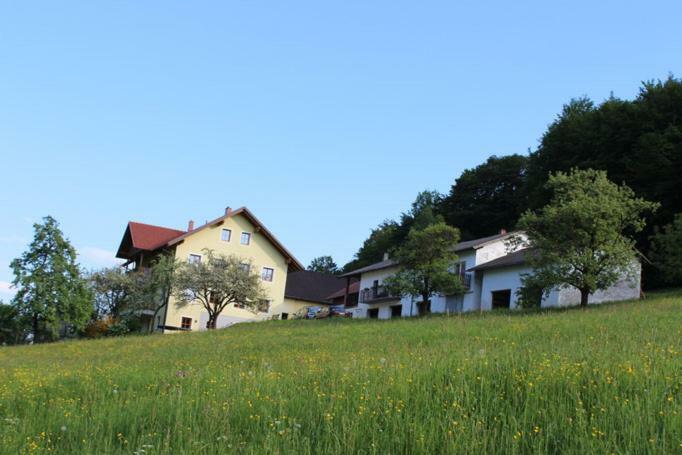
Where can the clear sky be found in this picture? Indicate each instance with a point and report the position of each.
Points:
(324, 118)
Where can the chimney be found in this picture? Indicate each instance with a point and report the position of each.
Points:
(190, 225)
(228, 211)
(503, 231)
(386, 256)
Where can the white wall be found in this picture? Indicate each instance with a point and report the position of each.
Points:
(499, 280)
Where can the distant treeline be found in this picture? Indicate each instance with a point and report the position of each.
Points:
(638, 142)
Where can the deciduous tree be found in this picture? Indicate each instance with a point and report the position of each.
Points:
(324, 264)
(216, 282)
(667, 250)
(426, 259)
(50, 289)
(584, 236)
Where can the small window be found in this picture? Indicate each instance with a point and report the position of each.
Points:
(245, 266)
(267, 274)
(225, 235)
(285, 316)
(194, 258)
(186, 323)
(239, 305)
(246, 238)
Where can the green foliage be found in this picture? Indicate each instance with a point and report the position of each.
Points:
(425, 260)
(583, 237)
(509, 383)
(383, 239)
(638, 143)
(390, 234)
(530, 294)
(216, 282)
(12, 325)
(487, 198)
(324, 264)
(50, 290)
(667, 250)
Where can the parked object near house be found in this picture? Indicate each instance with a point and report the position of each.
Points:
(306, 289)
(237, 232)
(491, 269)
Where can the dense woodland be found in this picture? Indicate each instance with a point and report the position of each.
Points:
(637, 142)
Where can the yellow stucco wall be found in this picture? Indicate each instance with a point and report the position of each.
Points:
(291, 306)
(260, 252)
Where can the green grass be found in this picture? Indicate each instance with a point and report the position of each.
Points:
(605, 380)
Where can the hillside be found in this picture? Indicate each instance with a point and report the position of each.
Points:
(603, 380)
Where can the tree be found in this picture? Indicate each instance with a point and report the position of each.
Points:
(487, 198)
(583, 237)
(666, 245)
(324, 264)
(638, 142)
(12, 325)
(112, 289)
(390, 234)
(160, 279)
(217, 282)
(50, 290)
(426, 259)
(382, 239)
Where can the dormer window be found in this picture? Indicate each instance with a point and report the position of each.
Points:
(246, 238)
(225, 235)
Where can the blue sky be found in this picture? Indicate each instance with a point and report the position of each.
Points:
(324, 118)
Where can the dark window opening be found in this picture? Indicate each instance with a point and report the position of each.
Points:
(501, 299)
(396, 311)
(285, 316)
(186, 323)
(373, 313)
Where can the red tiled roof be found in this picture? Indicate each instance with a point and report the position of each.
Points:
(149, 237)
(352, 289)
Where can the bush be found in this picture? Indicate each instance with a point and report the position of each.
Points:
(97, 328)
(529, 296)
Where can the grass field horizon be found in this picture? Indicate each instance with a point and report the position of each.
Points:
(606, 380)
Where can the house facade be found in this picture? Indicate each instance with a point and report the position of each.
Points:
(238, 232)
(491, 269)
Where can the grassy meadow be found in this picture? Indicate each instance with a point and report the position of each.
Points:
(604, 380)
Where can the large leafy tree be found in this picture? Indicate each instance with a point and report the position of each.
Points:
(216, 282)
(667, 250)
(584, 236)
(324, 264)
(638, 142)
(382, 239)
(50, 290)
(426, 260)
(487, 198)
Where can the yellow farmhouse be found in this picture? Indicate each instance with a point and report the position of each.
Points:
(238, 232)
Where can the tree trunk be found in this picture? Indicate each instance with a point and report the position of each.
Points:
(35, 327)
(211, 323)
(584, 296)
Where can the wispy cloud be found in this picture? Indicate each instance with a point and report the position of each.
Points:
(6, 290)
(92, 257)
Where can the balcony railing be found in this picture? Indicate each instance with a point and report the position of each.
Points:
(375, 293)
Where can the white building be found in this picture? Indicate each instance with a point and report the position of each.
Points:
(491, 269)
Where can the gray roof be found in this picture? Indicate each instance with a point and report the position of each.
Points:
(479, 242)
(377, 266)
(311, 286)
(461, 246)
(509, 260)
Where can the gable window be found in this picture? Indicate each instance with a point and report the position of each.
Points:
(246, 238)
(267, 274)
(186, 323)
(225, 235)
(194, 259)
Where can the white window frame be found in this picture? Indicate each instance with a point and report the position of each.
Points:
(229, 235)
(190, 255)
(241, 238)
(272, 275)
